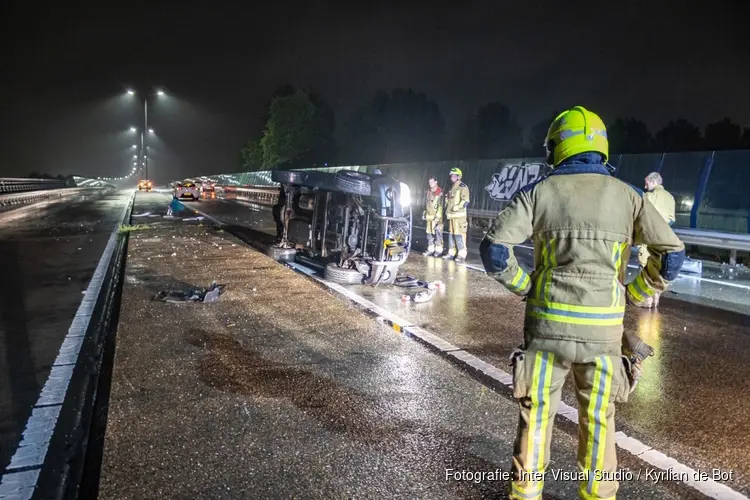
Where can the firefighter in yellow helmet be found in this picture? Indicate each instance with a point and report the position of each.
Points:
(582, 222)
(456, 211)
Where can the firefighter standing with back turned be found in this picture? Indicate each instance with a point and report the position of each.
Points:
(433, 217)
(456, 206)
(582, 222)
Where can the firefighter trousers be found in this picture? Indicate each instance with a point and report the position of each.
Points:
(538, 378)
(434, 229)
(457, 236)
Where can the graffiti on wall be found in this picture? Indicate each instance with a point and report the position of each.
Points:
(512, 178)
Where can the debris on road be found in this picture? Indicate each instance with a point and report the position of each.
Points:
(195, 295)
(423, 296)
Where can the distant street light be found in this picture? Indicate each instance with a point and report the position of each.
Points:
(133, 129)
(151, 130)
(135, 157)
(131, 92)
(160, 92)
(134, 146)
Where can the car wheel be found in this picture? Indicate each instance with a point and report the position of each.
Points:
(287, 176)
(281, 254)
(353, 182)
(343, 276)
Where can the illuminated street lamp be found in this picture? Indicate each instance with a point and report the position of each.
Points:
(134, 146)
(135, 157)
(160, 93)
(131, 92)
(133, 129)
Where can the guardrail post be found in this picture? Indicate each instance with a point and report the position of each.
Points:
(700, 190)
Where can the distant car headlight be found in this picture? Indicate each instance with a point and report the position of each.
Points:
(405, 195)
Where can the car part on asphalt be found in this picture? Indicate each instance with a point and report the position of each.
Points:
(194, 295)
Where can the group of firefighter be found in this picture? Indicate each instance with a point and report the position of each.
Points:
(454, 204)
(583, 222)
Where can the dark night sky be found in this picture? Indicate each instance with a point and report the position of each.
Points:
(67, 66)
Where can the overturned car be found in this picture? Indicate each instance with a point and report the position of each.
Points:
(354, 225)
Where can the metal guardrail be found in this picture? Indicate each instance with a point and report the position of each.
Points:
(714, 239)
(710, 239)
(9, 185)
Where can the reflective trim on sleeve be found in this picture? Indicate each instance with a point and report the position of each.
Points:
(639, 289)
(520, 280)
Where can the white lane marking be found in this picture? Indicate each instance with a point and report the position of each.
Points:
(17, 482)
(709, 487)
(215, 221)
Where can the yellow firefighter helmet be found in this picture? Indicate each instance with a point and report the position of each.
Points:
(576, 131)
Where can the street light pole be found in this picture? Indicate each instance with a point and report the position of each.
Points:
(143, 146)
(145, 135)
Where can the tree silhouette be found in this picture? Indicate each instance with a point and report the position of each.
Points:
(491, 132)
(251, 156)
(298, 130)
(745, 141)
(403, 126)
(285, 90)
(289, 130)
(628, 135)
(678, 135)
(723, 134)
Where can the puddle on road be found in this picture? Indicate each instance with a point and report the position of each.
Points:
(229, 366)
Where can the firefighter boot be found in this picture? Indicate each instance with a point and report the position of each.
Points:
(451, 248)
(430, 245)
(460, 245)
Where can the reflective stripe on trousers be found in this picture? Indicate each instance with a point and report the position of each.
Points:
(546, 375)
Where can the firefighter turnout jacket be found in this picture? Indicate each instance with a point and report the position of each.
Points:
(434, 205)
(583, 222)
(457, 201)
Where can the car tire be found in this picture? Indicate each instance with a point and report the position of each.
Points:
(354, 182)
(287, 176)
(342, 276)
(281, 254)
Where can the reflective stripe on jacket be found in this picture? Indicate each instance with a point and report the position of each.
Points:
(457, 201)
(582, 222)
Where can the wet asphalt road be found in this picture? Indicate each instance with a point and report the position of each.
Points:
(48, 253)
(690, 403)
(282, 390)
